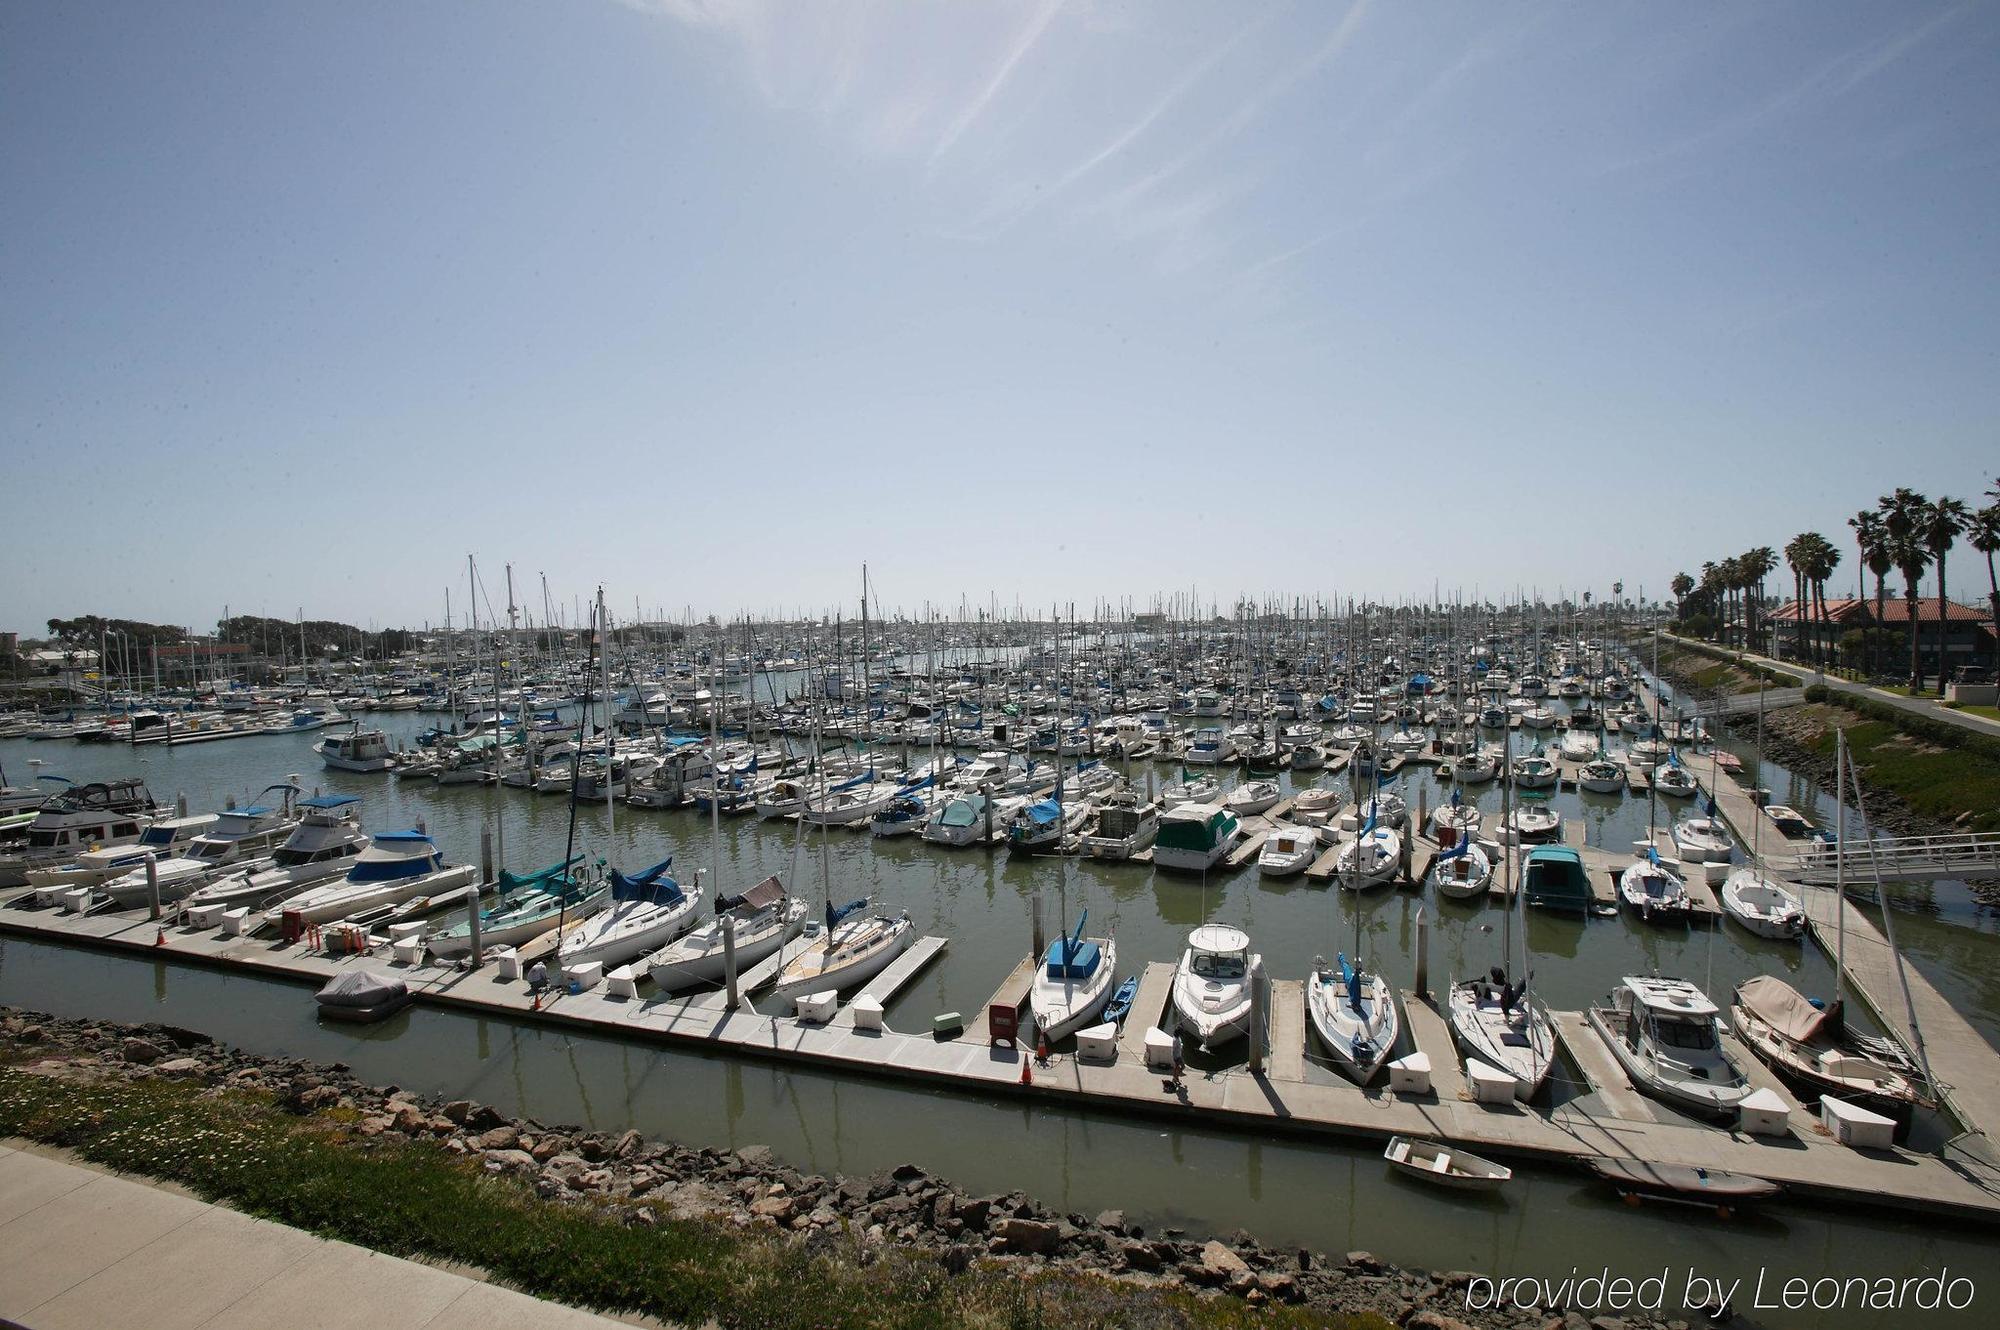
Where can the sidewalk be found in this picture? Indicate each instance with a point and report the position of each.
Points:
(81, 1248)
(1916, 706)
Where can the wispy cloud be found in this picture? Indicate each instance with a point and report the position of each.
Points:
(1024, 43)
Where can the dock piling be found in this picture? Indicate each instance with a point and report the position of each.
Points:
(152, 886)
(729, 961)
(1260, 1015)
(1035, 918)
(1423, 982)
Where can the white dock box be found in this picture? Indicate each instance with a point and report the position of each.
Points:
(867, 1013)
(1851, 1124)
(76, 900)
(1159, 1050)
(817, 1008)
(408, 950)
(622, 983)
(508, 959)
(1489, 1084)
(1764, 1114)
(1099, 1043)
(582, 978)
(236, 922)
(204, 916)
(408, 928)
(1411, 1074)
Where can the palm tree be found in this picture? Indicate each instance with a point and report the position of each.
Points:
(1683, 584)
(1943, 523)
(1871, 536)
(1983, 534)
(1903, 514)
(1821, 559)
(1797, 552)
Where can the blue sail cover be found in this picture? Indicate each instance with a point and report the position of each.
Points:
(1044, 812)
(835, 915)
(651, 886)
(1069, 958)
(1351, 977)
(863, 779)
(543, 878)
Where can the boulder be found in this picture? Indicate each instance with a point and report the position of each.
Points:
(178, 1066)
(143, 1052)
(501, 1138)
(509, 1161)
(1217, 1259)
(1112, 1221)
(1030, 1236)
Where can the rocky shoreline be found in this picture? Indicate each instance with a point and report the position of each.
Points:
(752, 1191)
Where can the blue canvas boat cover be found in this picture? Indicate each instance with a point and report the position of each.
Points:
(1069, 958)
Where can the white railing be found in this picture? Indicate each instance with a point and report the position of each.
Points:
(1975, 854)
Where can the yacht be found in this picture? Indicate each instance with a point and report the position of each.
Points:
(1532, 771)
(1703, 840)
(240, 837)
(1042, 826)
(647, 911)
(1252, 797)
(1212, 985)
(965, 819)
(1601, 776)
(79, 818)
(165, 839)
(525, 907)
(1315, 807)
(1370, 859)
(1193, 838)
(323, 845)
(1210, 747)
(397, 866)
(1665, 1035)
(357, 750)
(1530, 823)
(1355, 1015)
(764, 919)
(1673, 781)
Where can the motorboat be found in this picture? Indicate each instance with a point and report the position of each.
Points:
(1193, 838)
(1125, 827)
(646, 911)
(1763, 905)
(526, 906)
(1463, 872)
(1252, 797)
(1288, 851)
(849, 950)
(1791, 824)
(1553, 878)
(168, 838)
(1655, 891)
(397, 866)
(323, 845)
(357, 750)
(1808, 1045)
(1073, 982)
(1504, 1026)
(1209, 747)
(1369, 859)
(967, 818)
(1703, 840)
(1355, 1015)
(239, 838)
(1444, 1165)
(1212, 999)
(763, 919)
(1665, 1034)
(79, 818)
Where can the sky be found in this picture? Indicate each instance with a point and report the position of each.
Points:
(1016, 303)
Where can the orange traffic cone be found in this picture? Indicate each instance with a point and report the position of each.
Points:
(538, 1001)
(1042, 1050)
(1027, 1072)
(160, 937)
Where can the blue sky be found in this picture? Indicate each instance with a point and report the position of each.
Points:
(710, 303)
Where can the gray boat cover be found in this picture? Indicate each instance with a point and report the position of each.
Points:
(1779, 1005)
(359, 988)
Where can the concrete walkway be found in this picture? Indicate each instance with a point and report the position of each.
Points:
(1916, 706)
(83, 1248)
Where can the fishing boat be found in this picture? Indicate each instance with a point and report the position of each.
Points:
(1193, 838)
(397, 866)
(646, 911)
(1212, 985)
(1073, 983)
(1463, 872)
(1654, 890)
(1288, 851)
(1763, 905)
(525, 907)
(1665, 1035)
(849, 950)
(1810, 1049)
(1355, 1015)
(1445, 1165)
(357, 750)
(764, 918)
(323, 845)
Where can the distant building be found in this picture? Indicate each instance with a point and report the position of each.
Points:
(1968, 638)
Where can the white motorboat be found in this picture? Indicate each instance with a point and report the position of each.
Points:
(1212, 985)
(1252, 797)
(1506, 1027)
(1463, 872)
(1665, 1035)
(1703, 840)
(1210, 747)
(323, 845)
(1288, 851)
(1193, 838)
(1125, 827)
(1654, 890)
(849, 950)
(1763, 905)
(646, 912)
(764, 918)
(357, 750)
(397, 866)
(1369, 859)
(1445, 1165)
(1355, 1015)
(165, 839)
(1073, 982)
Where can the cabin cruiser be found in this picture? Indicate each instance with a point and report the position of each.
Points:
(1209, 747)
(357, 750)
(763, 918)
(1665, 1035)
(1355, 1016)
(240, 837)
(79, 818)
(1553, 878)
(1763, 905)
(1212, 985)
(849, 950)
(1288, 851)
(1125, 827)
(1505, 1027)
(397, 866)
(1193, 838)
(1812, 1051)
(323, 845)
(1073, 982)
(168, 838)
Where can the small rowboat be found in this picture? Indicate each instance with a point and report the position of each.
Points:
(1684, 1184)
(1120, 1005)
(1445, 1165)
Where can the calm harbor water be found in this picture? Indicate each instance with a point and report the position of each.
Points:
(1327, 1197)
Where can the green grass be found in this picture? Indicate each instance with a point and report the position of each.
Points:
(1970, 709)
(1939, 782)
(418, 1199)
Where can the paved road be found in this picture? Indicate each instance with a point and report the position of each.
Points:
(82, 1248)
(1914, 705)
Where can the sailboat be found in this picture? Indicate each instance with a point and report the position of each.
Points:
(1354, 1012)
(646, 911)
(1754, 899)
(1500, 1022)
(1073, 982)
(764, 918)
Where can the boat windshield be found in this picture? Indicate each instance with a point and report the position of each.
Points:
(213, 849)
(1696, 1035)
(1218, 965)
(158, 836)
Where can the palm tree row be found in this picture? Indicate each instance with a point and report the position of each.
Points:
(1904, 533)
